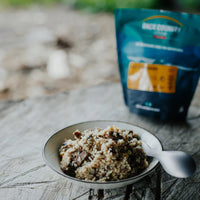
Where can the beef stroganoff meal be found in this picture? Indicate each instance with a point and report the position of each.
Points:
(103, 155)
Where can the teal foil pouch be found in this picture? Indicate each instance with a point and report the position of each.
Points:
(159, 61)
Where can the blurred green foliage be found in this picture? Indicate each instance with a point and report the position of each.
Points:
(110, 5)
(190, 5)
(89, 5)
(26, 2)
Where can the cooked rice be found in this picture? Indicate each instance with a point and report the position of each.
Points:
(103, 155)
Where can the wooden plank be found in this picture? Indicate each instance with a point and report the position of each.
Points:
(26, 125)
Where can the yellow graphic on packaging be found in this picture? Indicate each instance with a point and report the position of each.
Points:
(152, 77)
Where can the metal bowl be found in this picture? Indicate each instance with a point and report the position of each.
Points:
(52, 159)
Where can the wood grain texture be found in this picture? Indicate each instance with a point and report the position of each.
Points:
(26, 125)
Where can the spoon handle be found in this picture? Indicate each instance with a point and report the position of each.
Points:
(152, 152)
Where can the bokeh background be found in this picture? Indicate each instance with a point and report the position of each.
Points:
(49, 46)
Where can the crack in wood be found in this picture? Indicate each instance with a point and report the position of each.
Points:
(23, 174)
(91, 194)
(128, 192)
(136, 194)
(100, 194)
(144, 193)
(70, 189)
(158, 194)
(193, 182)
(169, 188)
(171, 180)
(114, 197)
(80, 195)
(26, 183)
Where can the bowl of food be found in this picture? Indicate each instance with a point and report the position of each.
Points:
(101, 154)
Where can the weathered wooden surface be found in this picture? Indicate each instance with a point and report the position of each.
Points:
(26, 125)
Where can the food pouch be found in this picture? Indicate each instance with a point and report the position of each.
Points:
(159, 60)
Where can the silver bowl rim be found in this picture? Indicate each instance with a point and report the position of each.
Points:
(100, 183)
